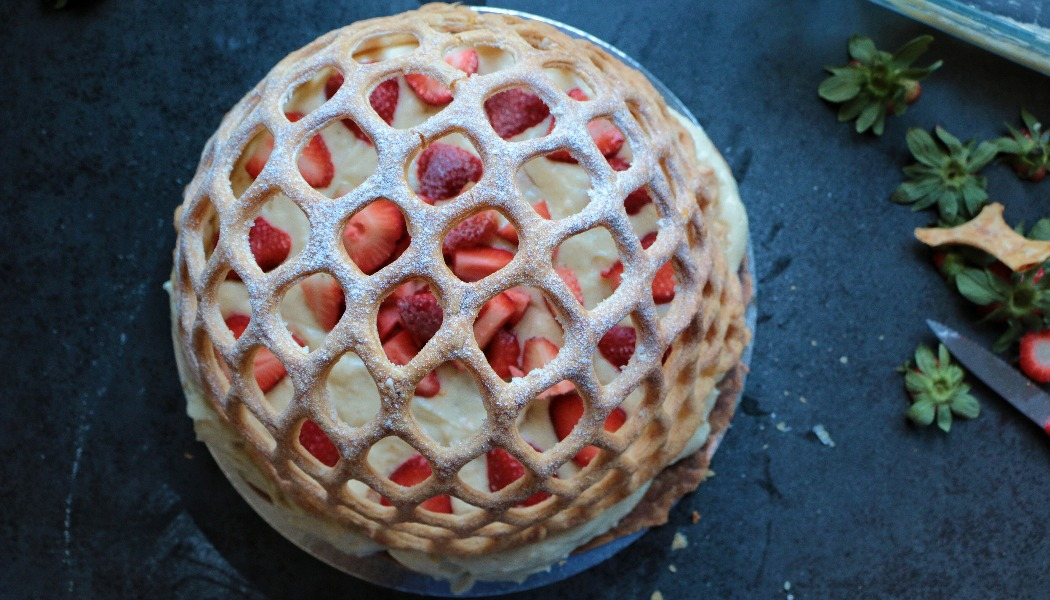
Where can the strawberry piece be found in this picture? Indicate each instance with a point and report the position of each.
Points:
(315, 161)
(472, 264)
(371, 236)
(383, 100)
(663, 284)
(267, 368)
(613, 274)
(324, 297)
(538, 352)
(388, 322)
(503, 469)
(443, 170)
(270, 245)
(401, 348)
(314, 441)
(617, 345)
(521, 301)
(255, 163)
(648, 239)
(432, 92)
(605, 135)
(237, 324)
(473, 231)
(569, 277)
(566, 411)
(509, 233)
(413, 472)
(636, 200)
(496, 313)
(1035, 355)
(421, 314)
(429, 386)
(503, 353)
(407, 289)
(515, 110)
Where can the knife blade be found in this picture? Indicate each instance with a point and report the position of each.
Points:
(1005, 380)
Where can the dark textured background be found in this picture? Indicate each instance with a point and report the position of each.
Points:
(105, 493)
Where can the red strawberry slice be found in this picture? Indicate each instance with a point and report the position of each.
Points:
(509, 233)
(324, 297)
(636, 200)
(663, 284)
(257, 161)
(503, 470)
(648, 239)
(443, 170)
(315, 161)
(566, 411)
(413, 472)
(1035, 355)
(270, 245)
(473, 231)
(388, 321)
(421, 314)
(267, 368)
(401, 348)
(383, 100)
(503, 353)
(429, 386)
(613, 274)
(496, 313)
(432, 92)
(237, 324)
(371, 236)
(569, 277)
(538, 352)
(617, 345)
(521, 301)
(513, 111)
(472, 264)
(314, 441)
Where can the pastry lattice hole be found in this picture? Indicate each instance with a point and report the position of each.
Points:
(492, 59)
(508, 321)
(399, 462)
(408, 317)
(315, 443)
(352, 391)
(567, 410)
(615, 350)
(581, 260)
(203, 221)
(310, 94)
(567, 186)
(375, 236)
(316, 302)
(337, 159)
(223, 371)
(501, 470)
(447, 405)
(251, 162)
(477, 246)
(444, 169)
(384, 47)
(257, 432)
(277, 234)
(517, 114)
(433, 93)
(639, 202)
(570, 82)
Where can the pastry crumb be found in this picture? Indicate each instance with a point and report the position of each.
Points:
(802, 399)
(679, 541)
(672, 568)
(813, 343)
(787, 586)
(695, 517)
(656, 596)
(844, 360)
(783, 427)
(822, 434)
(187, 456)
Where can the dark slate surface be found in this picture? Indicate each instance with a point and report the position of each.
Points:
(106, 494)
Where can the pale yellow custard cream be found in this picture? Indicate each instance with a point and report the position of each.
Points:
(455, 412)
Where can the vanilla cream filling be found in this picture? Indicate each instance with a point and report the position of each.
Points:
(456, 412)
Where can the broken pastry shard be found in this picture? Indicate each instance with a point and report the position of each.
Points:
(989, 232)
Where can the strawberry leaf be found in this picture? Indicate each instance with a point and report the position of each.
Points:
(938, 390)
(1028, 150)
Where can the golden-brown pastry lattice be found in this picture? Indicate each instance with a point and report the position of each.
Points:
(704, 321)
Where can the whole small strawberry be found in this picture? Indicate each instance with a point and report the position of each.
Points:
(1027, 150)
(937, 389)
(1035, 355)
(876, 83)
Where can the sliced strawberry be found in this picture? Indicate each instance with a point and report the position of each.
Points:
(515, 110)
(324, 297)
(443, 170)
(613, 274)
(503, 470)
(401, 348)
(413, 472)
(315, 161)
(383, 100)
(314, 441)
(663, 284)
(504, 352)
(237, 324)
(421, 314)
(566, 411)
(569, 277)
(1035, 355)
(429, 386)
(257, 161)
(371, 236)
(473, 231)
(496, 313)
(509, 233)
(472, 264)
(267, 368)
(617, 345)
(270, 245)
(636, 200)
(388, 321)
(432, 92)
(407, 289)
(521, 301)
(648, 239)
(538, 352)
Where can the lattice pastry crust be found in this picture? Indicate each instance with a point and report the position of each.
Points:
(703, 325)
